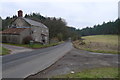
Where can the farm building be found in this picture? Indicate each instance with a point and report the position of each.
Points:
(22, 27)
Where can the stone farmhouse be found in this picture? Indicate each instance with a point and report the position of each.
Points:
(22, 27)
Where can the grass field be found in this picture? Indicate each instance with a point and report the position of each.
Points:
(108, 72)
(107, 39)
(99, 43)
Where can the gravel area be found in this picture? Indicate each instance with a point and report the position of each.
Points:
(78, 60)
(16, 49)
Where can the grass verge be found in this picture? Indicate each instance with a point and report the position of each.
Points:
(34, 46)
(102, 51)
(108, 72)
(4, 51)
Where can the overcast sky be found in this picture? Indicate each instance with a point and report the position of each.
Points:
(77, 13)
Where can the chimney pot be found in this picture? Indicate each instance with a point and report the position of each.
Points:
(20, 13)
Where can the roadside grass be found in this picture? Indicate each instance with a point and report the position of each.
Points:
(34, 46)
(102, 51)
(4, 51)
(107, 72)
(99, 44)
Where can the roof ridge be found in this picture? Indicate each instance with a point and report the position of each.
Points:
(33, 22)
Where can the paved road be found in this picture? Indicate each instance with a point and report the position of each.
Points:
(23, 64)
(16, 49)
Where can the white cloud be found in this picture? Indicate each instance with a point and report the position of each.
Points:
(78, 14)
(58, 0)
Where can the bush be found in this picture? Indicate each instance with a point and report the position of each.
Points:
(27, 39)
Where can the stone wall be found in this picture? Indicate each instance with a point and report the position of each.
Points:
(10, 38)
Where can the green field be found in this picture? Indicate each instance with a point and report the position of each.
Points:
(108, 72)
(99, 43)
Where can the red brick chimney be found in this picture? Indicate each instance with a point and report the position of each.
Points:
(20, 13)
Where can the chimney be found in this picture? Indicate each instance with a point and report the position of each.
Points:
(20, 13)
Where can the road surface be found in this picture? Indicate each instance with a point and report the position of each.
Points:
(23, 64)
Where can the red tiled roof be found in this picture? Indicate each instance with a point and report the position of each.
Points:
(13, 30)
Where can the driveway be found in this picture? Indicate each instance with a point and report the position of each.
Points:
(23, 64)
(78, 60)
(16, 49)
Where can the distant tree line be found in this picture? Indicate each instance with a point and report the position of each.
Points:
(104, 29)
(6, 22)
